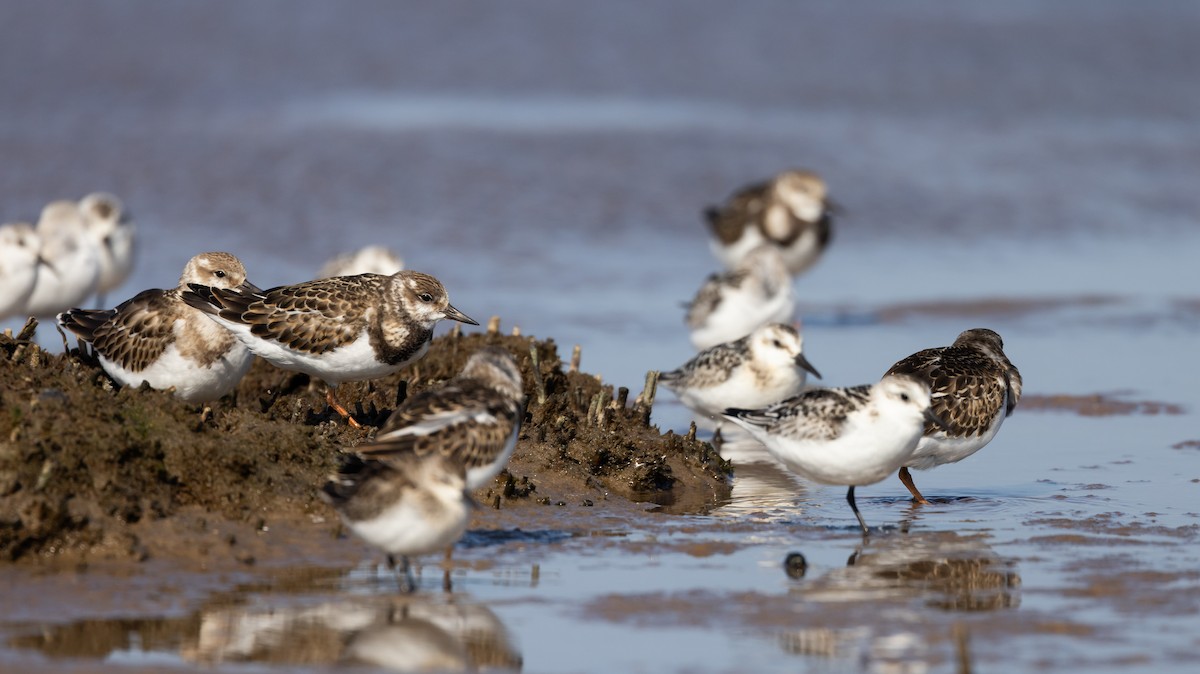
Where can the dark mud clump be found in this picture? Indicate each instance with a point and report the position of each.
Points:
(87, 466)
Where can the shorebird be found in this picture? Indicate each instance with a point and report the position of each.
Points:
(975, 388)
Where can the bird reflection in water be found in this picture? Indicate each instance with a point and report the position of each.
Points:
(944, 569)
(405, 634)
(897, 575)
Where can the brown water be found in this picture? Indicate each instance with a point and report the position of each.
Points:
(1027, 168)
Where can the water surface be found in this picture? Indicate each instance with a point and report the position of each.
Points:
(1023, 167)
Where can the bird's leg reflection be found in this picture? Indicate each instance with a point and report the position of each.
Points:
(853, 559)
(404, 576)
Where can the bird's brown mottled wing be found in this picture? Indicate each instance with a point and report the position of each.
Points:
(135, 333)
(362, 488)
(313, 317)
(745, 207)
(463, 419)
(968, 390)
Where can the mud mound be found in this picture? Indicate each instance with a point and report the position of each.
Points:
(83, 462)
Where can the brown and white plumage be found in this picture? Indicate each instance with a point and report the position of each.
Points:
(473, 419)
(791, 211)
(844, 436)
(761, 368)
(407, 505)
(975, 387)
(155, 337)
(346, 328)
(731, 305)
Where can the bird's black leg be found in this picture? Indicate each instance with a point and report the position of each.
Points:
(854, 507)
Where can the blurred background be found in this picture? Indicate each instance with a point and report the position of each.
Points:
(549, 161)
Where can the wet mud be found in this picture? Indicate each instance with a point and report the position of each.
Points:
(1098, 405)
(91, 471)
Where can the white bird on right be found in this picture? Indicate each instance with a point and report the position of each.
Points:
(70, 268)
(731, 305)
(844, 436)
(20, 247)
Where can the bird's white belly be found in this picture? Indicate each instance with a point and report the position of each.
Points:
(355, 361)
(739, 313)
(67, 285)
(864, 455)
(16, 285)
(939, 448)
(731, 254)
(192, 382)
(405, 530)
(743, 390)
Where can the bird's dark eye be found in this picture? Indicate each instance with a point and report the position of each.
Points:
(426, 297)
(904, 397)
(219, 274)
(778, 344)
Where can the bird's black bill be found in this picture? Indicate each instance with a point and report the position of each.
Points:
(456, 315)
(807, 366)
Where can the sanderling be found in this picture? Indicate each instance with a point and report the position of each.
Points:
(844, 436)
(20, 246)
(71, 261)
(474, 418)
(112, 229)
(157, 338)
(792, 211)
(730, 306)
(410, 504)
(975, 386)
(366, 260)
(346, 328)
(764, 367)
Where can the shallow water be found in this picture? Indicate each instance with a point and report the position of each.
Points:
(1027, 168)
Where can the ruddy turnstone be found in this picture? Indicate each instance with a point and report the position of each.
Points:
(844, 436)
(975, 387)
(411, 504)
(731, 305)
(346, 328)
(157, 338)
(112, 229)
(366, 260)
(792, 211)
(764, 367)
(71, 262)
(474, 418)
(19, 250)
